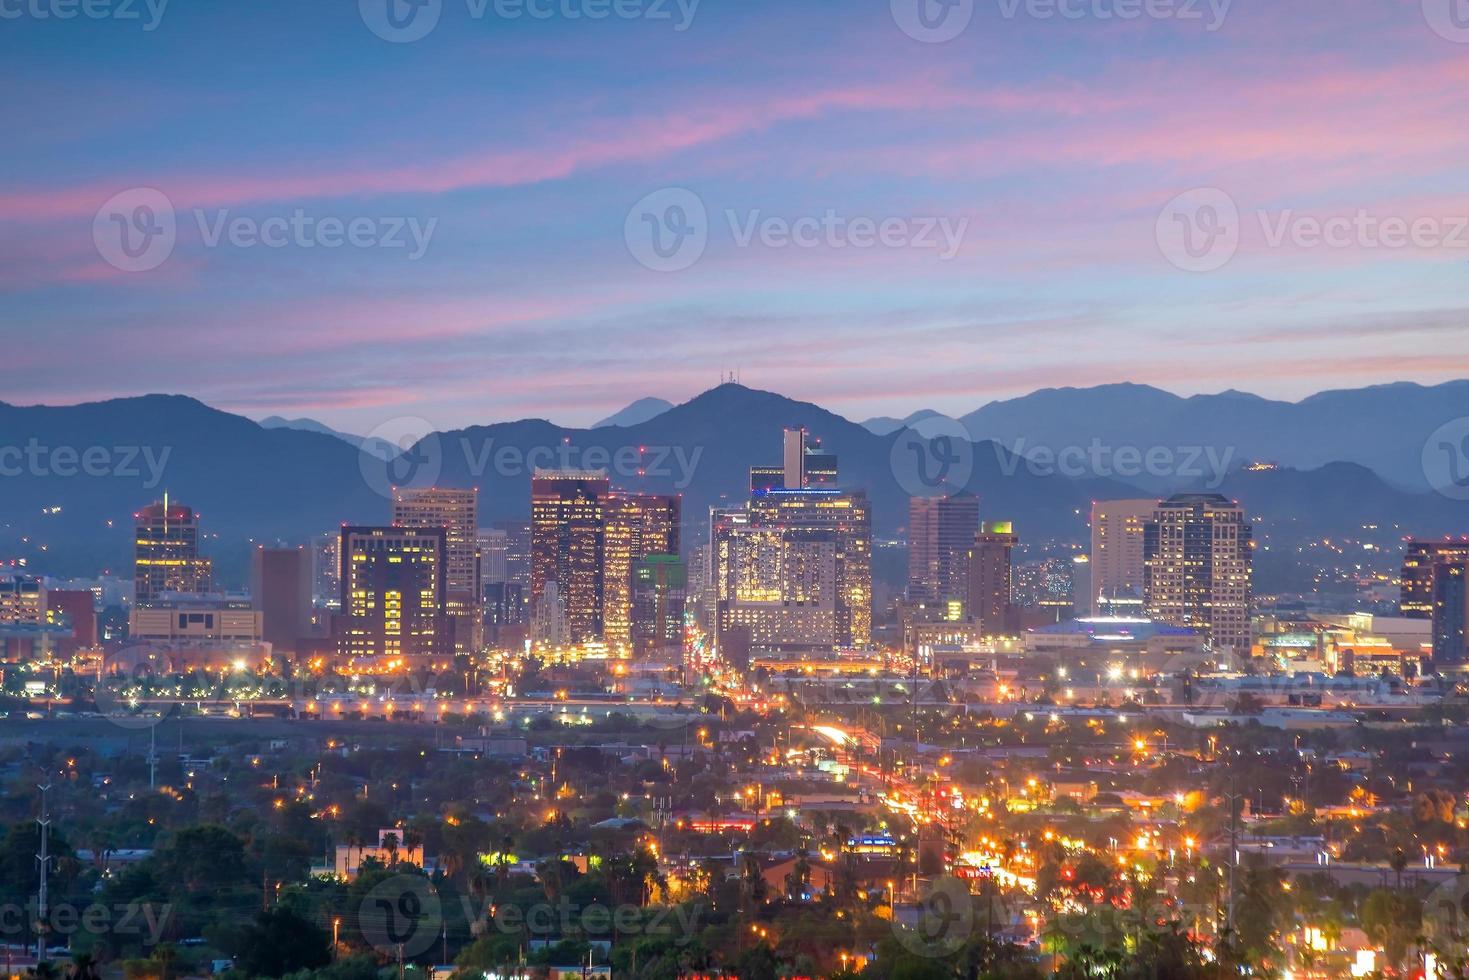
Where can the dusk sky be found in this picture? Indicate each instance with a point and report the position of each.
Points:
(519, 145)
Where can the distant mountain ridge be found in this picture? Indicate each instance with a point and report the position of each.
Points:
(640, 411)
(380, 448)
(254, 484)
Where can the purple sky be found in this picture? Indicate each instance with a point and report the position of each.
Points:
(518, 145)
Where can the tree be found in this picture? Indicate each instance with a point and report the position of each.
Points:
(280, 941)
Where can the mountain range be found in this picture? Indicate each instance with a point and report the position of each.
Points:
(284, 483)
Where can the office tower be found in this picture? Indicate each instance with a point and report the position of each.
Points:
(567, 537)
(1450, 615)
(22, 600)
(457, 512)
(990, 560)
(941, 531)
(280, 590)
(804, 465)
(1420, 559)
(1117, 556)
(394, 612)
(659, 592)
(517, 551)
(494, 548)
(792, 569)
(326, 570)
(166, 553)
(699, 604)
(1197, 568)
(636, 525)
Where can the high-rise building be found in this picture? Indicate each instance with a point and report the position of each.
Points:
(1450, 615)
(494, 547)
(991, 558)
(636, 525)
(941, 531)
(280, 589)
(1117, 555)
(79, 608)
(166, 553)
(660, 587)
(792, 570)
(326, 570)
(1198, 564)
(804, 465)
(394, 613)
(517, 551)
(567, 537)
(1420, 560)
(457, 512)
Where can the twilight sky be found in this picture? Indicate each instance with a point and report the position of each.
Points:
(518, 146)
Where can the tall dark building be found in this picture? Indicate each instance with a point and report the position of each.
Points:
(804, 465)
(1197, 566)
(659, 591)
(635, 525)
(457, 512)
(394, 613)
(517, 551)
(166, 553)
(568, 526)
(280, 589)
(1420, 559)
(941, 531)
(1450, 614)
(991, 560)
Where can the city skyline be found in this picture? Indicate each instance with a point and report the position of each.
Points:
(1058, 142)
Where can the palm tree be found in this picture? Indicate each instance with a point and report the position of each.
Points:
(390, 843)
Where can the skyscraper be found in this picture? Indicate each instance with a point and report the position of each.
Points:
(166, 553)
(636, 525)
(394, 613)
(326, 570)
(659, 590)
(1450, 615)
(517, 551)
(567, 538)
(1420, 561)
(990, 567)
(280, 589)
(457, 512)
(1117, 555)
(494, 546)
(941, 531)
(1198, 564)
(804, 464)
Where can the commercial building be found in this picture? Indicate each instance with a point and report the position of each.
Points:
(659, 592)
(990, 561)
(637, 525)
(280, 590)
(1420, 560)
(166, 553)
(568, 529)
(1198, 565)
(1117, 570)
(941, 531)
(394, 613)
(457, 512)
